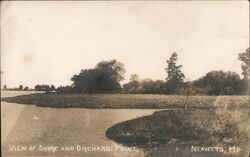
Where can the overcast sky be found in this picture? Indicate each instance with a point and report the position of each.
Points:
(48, 42)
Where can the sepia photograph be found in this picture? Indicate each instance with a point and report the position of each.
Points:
(125, 78)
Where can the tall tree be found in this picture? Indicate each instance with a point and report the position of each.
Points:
(104, 78)
(175, 76)
(20, 87)
(244, 57)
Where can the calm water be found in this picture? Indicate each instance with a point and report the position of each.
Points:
(28, 125)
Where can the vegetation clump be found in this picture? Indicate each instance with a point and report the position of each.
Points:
(130, 101)
(169, 128)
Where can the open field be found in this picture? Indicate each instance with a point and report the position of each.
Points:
(130, 101)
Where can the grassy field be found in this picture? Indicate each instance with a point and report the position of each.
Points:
(130, 101)
(185, 128)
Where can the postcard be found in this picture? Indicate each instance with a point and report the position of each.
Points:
(125, 79)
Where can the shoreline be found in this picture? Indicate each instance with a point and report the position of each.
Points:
(129, 101)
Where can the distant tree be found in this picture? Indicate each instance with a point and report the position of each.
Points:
(104, 78)
(20, 87)
(175, 76)
(26, 88)
(190, 88)
(52, 88)
(244, 86)
(145, 86)
(134, 77)
(45, 87)
(152, 87)
(244, 57)
(115, 69)
(38, 88)
(220, 83)
(134, 86)
(65, 89)
(5, 87)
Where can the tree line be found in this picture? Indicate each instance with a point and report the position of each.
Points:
(106, 77)
(42, 87)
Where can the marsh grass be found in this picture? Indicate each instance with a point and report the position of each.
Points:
(129, 101)
(222, 127)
